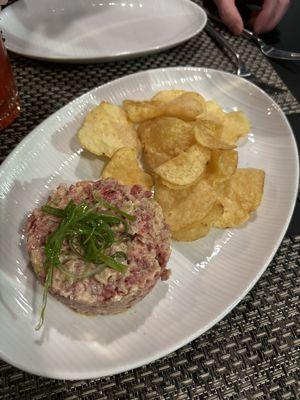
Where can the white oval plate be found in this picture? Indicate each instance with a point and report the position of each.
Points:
(209, 276)
(89, 30)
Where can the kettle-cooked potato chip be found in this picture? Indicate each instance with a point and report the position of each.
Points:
(192, 232)
(215, 213)
(166, 196)
(164, 138)
(176, 187)
(240, 195)
(139, 111)
(185, 168)
(234, 215)
(153, 158)
(248, 184)
(187, 145)
(106, 129)
(197, 230)
(188, 106)
(207, 133)
(214, 112)
(164, 96)
(236, 125)
(183, 207)
(124, 167)
(221, 166)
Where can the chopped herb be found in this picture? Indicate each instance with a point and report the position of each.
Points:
(89, 234)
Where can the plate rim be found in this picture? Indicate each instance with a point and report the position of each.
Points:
(107, 58)
(146, 360)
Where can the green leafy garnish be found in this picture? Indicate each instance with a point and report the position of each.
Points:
(89, 234)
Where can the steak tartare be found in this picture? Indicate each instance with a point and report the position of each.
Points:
(145, 244)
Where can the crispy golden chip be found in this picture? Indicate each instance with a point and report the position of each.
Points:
(188, 106)
(236, 125)
(215, 213)
(124, 167)
(207, 133)
(221, 165)
(188, 145)
(194, 231)
(240, 195)
(152, 158)
(234, 215)
(166, 196)
(164, 138)
(214, 112)
(176, 187)
(184, 207)
(139, 111)
(248, 184)
(185, 168)
(197, 230)
(164, 96)
(106, 129)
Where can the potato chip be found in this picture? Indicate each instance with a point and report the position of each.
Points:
(194, 231)
(207, 133)
(183, 207)
(176, 187)
(214, 112)
(188, 107)
(106, 129)
(240, 195)
(165, 196)
(248, 184)
(164, 138)
(165, 96)
(185, 168)
(153, 158)
(139, 111)
(221, 166)
(124, 167)
(236, 125)
(215, 213)
(233, 216)
(197, 230)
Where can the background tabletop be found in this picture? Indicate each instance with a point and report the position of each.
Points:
(285, 36)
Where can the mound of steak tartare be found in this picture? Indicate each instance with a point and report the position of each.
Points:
(147, 249)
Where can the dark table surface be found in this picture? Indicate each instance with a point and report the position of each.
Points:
(285, 36)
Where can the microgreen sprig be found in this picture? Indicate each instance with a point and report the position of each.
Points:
(89, 234)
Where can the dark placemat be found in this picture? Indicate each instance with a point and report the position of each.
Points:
(45, 87)
(253, 353)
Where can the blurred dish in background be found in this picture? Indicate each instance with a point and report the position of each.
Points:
(89, 31)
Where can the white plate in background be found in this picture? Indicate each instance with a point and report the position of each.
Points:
(209, 276)
(102, 30)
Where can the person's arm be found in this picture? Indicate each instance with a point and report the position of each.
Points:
(265, 20)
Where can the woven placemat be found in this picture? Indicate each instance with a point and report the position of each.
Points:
(254, 353)
(45, 87)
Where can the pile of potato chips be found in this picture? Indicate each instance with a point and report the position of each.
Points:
(186, 146)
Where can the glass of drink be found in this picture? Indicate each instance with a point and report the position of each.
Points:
(9, 98)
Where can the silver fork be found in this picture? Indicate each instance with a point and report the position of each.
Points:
(241, 70)
(265, 48)
(270, 51)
